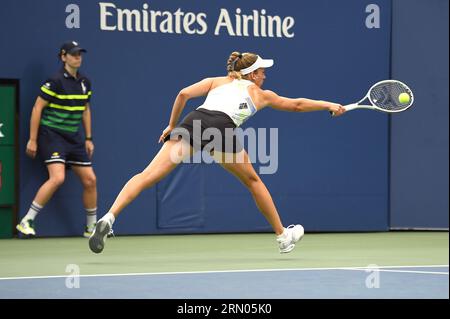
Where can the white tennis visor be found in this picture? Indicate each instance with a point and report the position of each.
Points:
(259, 63)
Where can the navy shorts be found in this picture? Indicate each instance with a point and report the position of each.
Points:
(215, 131)
(56, 147)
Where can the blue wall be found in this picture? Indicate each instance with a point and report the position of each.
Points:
(332, 173)
(419, 137)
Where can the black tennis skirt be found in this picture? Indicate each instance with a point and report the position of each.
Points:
(207, 130)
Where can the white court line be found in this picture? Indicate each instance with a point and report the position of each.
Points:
(405, 271)
(223, 271)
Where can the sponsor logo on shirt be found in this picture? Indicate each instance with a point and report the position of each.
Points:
(55, 155)
(243, 106)
(83, 87)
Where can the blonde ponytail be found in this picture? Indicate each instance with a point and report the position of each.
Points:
(238, 61)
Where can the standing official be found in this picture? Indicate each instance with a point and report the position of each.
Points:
(63, 103)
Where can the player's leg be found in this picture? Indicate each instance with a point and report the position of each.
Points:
(56, 175)
(242, 168)
(171, 154)
(244, 171)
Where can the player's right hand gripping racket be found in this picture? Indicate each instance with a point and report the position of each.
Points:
(390, 96)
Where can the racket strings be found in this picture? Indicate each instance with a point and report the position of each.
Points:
(386, 96)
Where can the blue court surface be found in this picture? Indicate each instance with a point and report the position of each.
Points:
(401, 282)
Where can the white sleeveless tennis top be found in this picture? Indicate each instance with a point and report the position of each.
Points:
(232, 99)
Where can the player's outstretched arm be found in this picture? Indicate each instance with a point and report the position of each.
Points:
(281, 103)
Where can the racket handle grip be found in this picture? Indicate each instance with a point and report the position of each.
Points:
(347, 107)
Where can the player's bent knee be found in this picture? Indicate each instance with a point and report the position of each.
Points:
(90, 181)
(150, 177)
(252, 181)
(57, 180)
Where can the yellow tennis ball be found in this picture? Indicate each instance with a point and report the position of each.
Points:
(404, 98)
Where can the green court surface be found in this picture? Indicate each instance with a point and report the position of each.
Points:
(215, 252)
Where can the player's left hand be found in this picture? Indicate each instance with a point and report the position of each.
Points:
(165, 133)
(89, 148)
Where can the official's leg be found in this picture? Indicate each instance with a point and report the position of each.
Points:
(89, 182)
(56, 176)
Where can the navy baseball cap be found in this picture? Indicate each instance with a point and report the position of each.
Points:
(71, 47)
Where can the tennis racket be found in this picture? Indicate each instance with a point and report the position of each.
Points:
(389, 96)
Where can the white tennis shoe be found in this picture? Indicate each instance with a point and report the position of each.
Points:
(26, 227)
(291, 235)
(98, 237)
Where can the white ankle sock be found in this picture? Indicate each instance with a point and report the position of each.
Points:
(35, 208)
(91, 216)
(283, 235)
(109, 217)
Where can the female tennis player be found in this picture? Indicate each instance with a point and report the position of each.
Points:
(230, 100)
